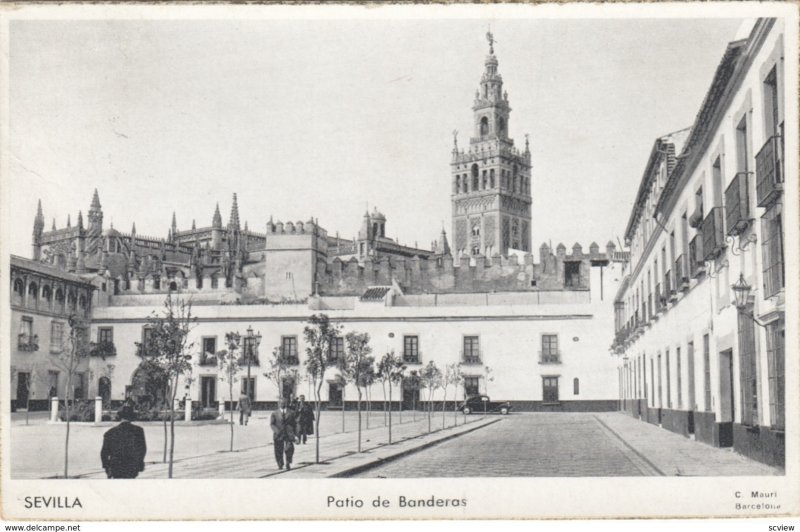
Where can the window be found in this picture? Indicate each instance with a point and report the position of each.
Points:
(549, 353)
(576, 386)
(669, 386)
(652, 383)
(26, 340)
(772, 251)
(707, 370)
(491, 178)
(208, 355)
(474, 177)
(289, 349)
(572, 274)
(79, 386)
(484, 126)
(660, 389)
(690, 371)
(776, 362)
(105, 334)
(742, 142)
(249, 388)
(411, 349)
(472, 350)
(748, 379)
(680, 377)
(52, 384)
(56, 336)
(549, 390)
(337, 350)
(472, 386)
(771, 103)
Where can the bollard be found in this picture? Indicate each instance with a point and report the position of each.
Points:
(98, 409)
(53, 409)
(188, 414)
(222, 409)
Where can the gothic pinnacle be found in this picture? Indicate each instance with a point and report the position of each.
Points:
(95, 201)
(174, 224)
(233, 221)
(80, 220)
(216, 221)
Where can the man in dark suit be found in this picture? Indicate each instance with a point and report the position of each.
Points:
(124, 447)
(283, 422)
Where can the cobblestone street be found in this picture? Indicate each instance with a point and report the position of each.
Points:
(564, 445)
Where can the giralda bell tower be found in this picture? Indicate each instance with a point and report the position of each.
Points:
(491, 180)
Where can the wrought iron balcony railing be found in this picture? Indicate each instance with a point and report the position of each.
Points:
(471, 357)
(769, 171)
(713, 234)
(696, 265)
(550, 357)
(681, 273)
(737, 204)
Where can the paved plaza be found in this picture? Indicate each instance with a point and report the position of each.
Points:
(522, 444)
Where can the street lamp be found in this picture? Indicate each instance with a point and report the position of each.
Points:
(251, 343)
(741, 298)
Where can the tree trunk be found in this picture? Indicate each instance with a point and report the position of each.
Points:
(390, 411)
(27, 406)
(444, 407)
(383, 389)
(172, 425)
(167, 393)
(318, 408)
(230, 394)
(342, 408)
(358, 407)
(67, 414)
(369, 406)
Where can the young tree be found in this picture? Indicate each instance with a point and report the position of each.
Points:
(230, 366)
(455, 377)
(167, 345)
(341, 382)
(319, 336)
(431, 377)
(355, 366)
(390, 371)
(488, 378)
(279, 366)
(72, 360)
(366, 381)
(413, 383)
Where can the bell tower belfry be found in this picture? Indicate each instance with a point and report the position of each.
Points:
(491, 179)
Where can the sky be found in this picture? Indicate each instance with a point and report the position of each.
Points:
(316, 118)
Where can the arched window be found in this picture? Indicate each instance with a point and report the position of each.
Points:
(458, 185)
(514, 180)
(173, 286)
(475, 183)
(71, 301)
(501, 125)
(19, 287)
(33, 292)
(59, 300)
(576, 386)
(374, 230)
(476, 228)
(466, 183)
(484, 126)
(47, 294)
(491, 178)
(485, 180)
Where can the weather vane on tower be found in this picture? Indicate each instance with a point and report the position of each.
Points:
(490, 38)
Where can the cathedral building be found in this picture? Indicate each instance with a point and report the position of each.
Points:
(523, 327)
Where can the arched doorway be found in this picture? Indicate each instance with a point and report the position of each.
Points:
(104, 389)
(149, 385)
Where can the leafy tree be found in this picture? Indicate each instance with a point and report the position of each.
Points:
(319, 335)
(279, 367)
(413, 382)
(366, 380)
(72, 360)
(431, 377)
(390, 371)
(355, 366)
(168, 347)
(454, 376)
(229, 364)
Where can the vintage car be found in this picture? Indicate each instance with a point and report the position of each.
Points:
(481, 403)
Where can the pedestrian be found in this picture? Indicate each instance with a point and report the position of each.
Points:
(283, 422)
(245, 408)
(305, 420)
(124, 447)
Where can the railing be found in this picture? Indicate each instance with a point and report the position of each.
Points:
(253, 360)
(27, 342)
(737, 204)
(681, 273)
(659, 299)
(669, 287)
(696, 266)
(713, 234)
(207, 359)
(412, 358)
(649, 308)
(103, 349)
(471, 357)
(769, 171)
(550, 357)
(290, 356)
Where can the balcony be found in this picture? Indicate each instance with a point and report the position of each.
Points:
(713, 234)
(252, 358)
(207, 359)
(696, 266)
(649, 310)
(670, 293)
(681, 273)
(769, 171)
(471, 358)
(549, 357)
(28, 342)
(659, 300)
(102, 349)
(737, 204)
(412, 358)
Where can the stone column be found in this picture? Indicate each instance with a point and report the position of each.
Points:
(98, 409)
(53, 409)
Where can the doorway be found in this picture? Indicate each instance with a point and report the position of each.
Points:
(335, 395)
(208, 391)
(726, 401)
(410, 399)
(23, 386)
(104, 389)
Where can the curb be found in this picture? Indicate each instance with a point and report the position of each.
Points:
(381, 461)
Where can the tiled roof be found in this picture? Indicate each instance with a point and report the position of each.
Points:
(375, 293)
(44, 269)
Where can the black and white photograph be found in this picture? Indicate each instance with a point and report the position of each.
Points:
(459, 260)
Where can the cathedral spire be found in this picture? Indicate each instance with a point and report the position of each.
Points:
(216, 222)
(133, 229)
(69, 222)
(95, 214)
(80, 220)
(38, 221)
(194, 226)
(174, 224)
(233, 221)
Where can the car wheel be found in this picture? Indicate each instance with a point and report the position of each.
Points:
(467, 410)
(504, 411)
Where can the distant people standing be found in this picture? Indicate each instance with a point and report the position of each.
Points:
(124, 447)
(283, 422)
(305, 420)
(245, 408)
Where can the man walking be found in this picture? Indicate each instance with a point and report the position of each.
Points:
(124, 447)
(305, 420)
(245, 408)
(283, 422)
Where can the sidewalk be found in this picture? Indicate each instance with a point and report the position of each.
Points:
(662, 452)
(338, 454)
